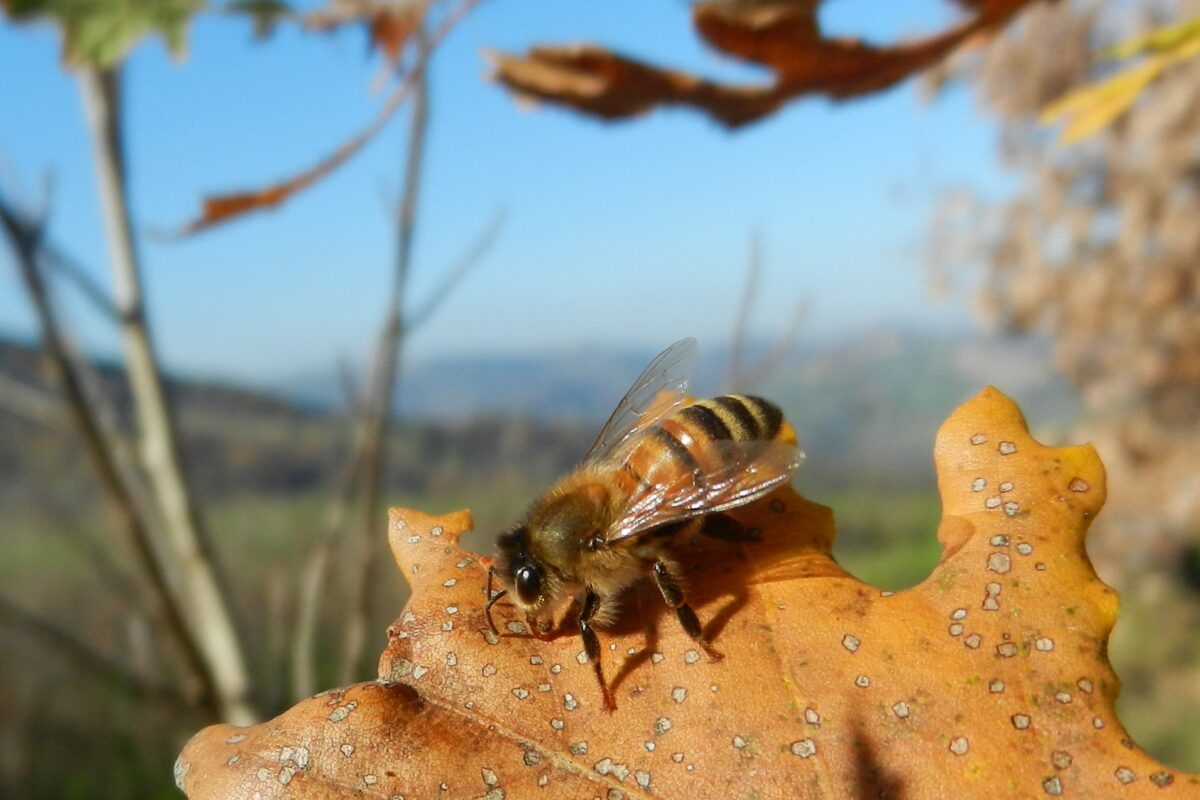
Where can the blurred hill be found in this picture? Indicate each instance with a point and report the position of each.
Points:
(866, 408)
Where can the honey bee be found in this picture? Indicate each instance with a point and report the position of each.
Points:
(663, 463)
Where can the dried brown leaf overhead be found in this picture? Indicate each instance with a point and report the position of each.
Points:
(988, 679)
(782, 35)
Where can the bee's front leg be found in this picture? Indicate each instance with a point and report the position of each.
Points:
(672, 593)
(591, 645)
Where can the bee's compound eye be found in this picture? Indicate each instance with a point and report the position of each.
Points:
(529, 584)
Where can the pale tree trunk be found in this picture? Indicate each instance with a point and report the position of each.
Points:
(185, 551)
(383, 384)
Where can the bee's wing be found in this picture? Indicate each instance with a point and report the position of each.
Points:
(748, 471)
(657, 391)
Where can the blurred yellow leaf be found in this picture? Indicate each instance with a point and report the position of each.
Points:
(1158, 41)
(989, 679)
(1094, 107)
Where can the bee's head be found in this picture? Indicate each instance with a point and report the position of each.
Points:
(524, 579)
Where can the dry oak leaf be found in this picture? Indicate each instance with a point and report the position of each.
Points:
(783, 36)
(989, 679)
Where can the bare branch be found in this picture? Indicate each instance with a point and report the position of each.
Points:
(314, 578)
(383, 384)
(25, 238)
(223, 208)
(32, 403)
(455, 275)
(737, 345)
(186, 545)
(742, 374)
(83, 655)
(61, 262)
(758, 371)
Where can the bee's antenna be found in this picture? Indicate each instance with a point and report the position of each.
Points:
(487, 611)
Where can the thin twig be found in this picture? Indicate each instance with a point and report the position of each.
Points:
(313, 579)
(741, 324)
(64, 264)
(758, 371)
(455, 274)
(222, 208)
(32, 403)
(83, 655)
(383, 385)
(25, 238)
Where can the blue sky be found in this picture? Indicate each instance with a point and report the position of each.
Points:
(631, 234)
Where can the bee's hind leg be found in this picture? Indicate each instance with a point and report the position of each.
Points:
(673, 595)
(591, 645)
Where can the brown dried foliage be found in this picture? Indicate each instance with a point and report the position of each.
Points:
(782, 35)
(390, 24)
(988, 678)
(1100, 248)
(391, 27)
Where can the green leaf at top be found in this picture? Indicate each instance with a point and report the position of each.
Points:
(99, 33)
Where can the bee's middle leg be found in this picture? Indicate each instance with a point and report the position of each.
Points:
(591, 645)
(672, 593)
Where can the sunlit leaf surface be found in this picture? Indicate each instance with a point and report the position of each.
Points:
(989, 679)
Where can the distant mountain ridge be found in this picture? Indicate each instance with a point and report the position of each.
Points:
(585, 383)
(866, 409)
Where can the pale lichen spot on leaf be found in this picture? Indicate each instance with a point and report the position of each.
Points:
(804, 748)
(341, 712)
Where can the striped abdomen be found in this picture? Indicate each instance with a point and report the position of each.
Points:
(689, 439)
